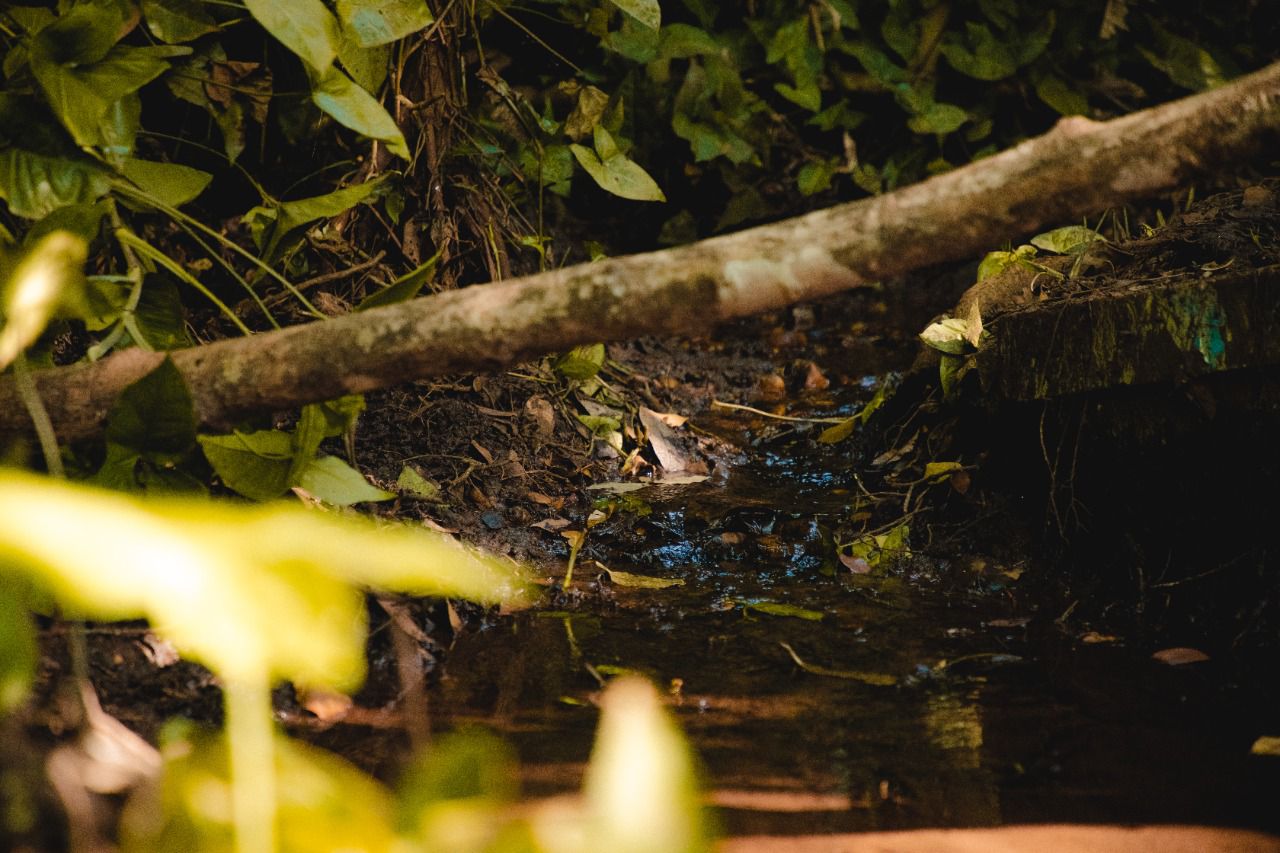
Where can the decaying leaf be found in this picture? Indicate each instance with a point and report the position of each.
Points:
(778, 608)
(639, 581)
(876, 679)
(1180, 655)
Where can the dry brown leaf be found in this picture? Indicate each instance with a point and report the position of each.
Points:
(1180, 655)
(662, 439)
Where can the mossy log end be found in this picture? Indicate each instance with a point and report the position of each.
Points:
(1170, 331)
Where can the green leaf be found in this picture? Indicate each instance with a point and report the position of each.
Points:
(306, 27)
(154, 415)
(177, 21)
(647, 12)
(777, 608)
(322, 802)
(367, 66)
(354, 108)
(18, 652)
(252, 592)
(307, 435)
(1057, 94)
(83, 220)
(659, 809)
(160, 317)
(402, 289)
(335, 482)
(614, 172)
(49, 276)
(815, 176)
(463, 770)
(83, 96)
(378, 22)
(582, 362)
(981, 54)
(1069, 240)
(82, 35)
(170, 183)
(413, 484)
(254, 464)
(938, 118)
(274, 226)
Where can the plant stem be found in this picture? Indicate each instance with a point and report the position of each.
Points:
(253, 766)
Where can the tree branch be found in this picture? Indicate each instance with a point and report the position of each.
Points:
(1079, 167)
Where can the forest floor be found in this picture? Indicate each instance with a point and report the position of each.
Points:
(987, 674)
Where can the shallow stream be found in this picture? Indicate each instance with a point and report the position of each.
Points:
(950, 698)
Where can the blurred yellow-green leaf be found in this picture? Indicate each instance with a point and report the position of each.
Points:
(250, 591)
(47, 277)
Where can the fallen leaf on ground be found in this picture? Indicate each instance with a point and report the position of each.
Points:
(639, 581)
(1179, 656)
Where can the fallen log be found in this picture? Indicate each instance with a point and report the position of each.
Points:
(1077, 168)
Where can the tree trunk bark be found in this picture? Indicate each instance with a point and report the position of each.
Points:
(1079, 167)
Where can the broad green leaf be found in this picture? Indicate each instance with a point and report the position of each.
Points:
(682, 41)
(82, 35)
(18, 653)
(614, 172)
(34, 185)
(306, 27)
(807, 96)
(463, 771)
(154, 415)
(647, 12)
(341, 414)
(938, 118)
(253, 464)
(250, 591)
(980, 54)
(49, 276)
(413, 484)
(159, 315)
(947, 335)
(335, 482)
(627, 579)
(170, 183)
(1057, 94)
(83, 96)
(1069, 240)
(402, 289)
(995, 263)
(83, 220)
(876, 679)
(582, 362)
(641, 791)
(777, 608)
(354, 108)
(322, 802)
(815, 176)
(367, 65)
(177, 21)
(272, 227)
(377, 22)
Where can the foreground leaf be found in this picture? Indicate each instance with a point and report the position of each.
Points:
(250, 591)
(639, 581)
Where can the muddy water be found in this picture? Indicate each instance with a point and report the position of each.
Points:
(961, 703)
